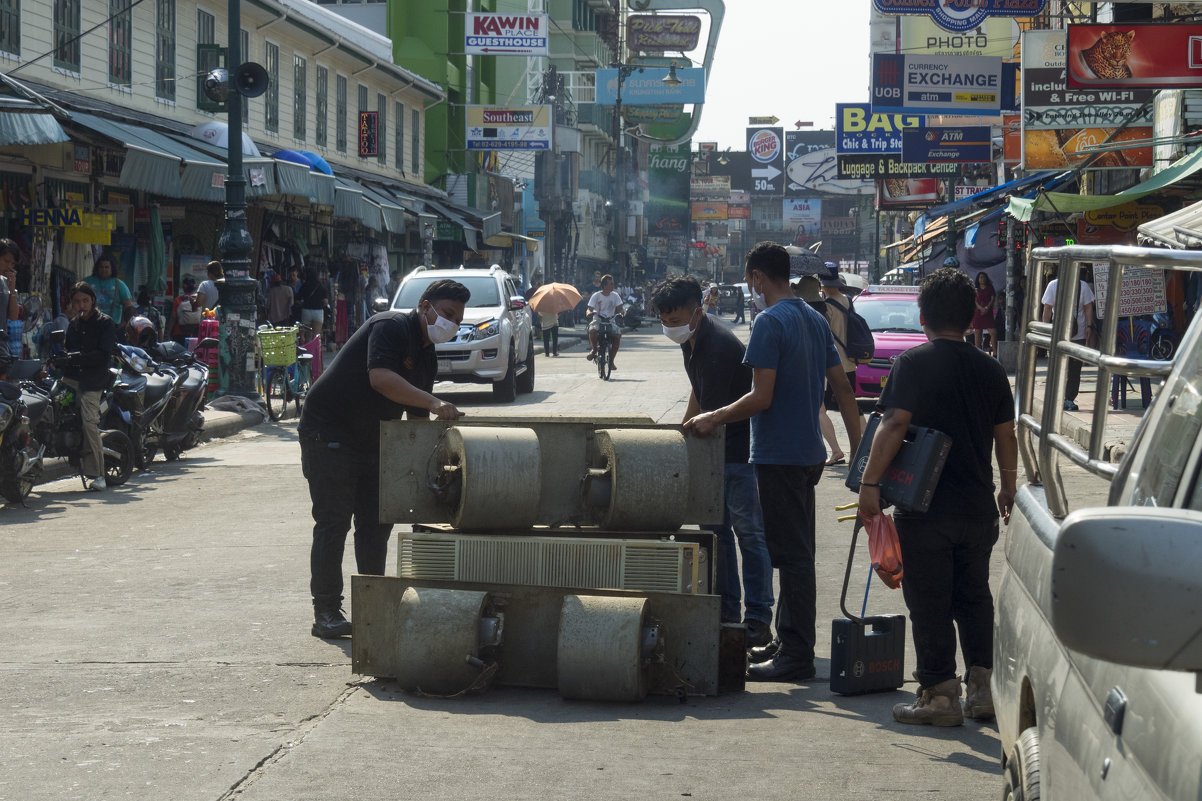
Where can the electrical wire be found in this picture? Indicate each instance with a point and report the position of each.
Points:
(74, 38)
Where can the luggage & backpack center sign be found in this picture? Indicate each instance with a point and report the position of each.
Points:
(961, 15)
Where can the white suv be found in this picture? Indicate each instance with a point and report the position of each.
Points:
(495, 343)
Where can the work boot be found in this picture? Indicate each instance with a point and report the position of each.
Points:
(935, 706)
(328, 621)
(759, 634)
(763, 653)
(978, 698)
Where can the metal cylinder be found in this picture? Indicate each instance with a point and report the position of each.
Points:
(438, 635)
(600, 650)
(500, 477)
(649, 479)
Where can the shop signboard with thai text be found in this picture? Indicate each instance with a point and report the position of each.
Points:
(658, 32)
(645, 86)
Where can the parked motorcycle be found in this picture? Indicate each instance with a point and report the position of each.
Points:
(20, 456)
(56, 430)
(160, 396)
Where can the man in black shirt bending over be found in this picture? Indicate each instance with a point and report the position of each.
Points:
(387, 367)
(949, 385)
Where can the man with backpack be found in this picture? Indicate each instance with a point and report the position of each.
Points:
(844, 323)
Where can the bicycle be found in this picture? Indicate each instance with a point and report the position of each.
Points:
(607, 327)
(284, 373)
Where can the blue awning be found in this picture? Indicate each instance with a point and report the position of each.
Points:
(23, 123)
(988, 197)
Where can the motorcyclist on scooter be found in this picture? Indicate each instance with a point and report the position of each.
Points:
(90, 343)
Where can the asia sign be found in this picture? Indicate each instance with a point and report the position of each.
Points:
(960, 145)
(961, 15)
(662, 32)
(1135, 55)
(1059, 122)
(803, 216)
(513, 128)
(506, 34)
(766, 146)
(645, 86)
(970, 85)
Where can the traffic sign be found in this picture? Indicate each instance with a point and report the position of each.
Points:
(762, 120)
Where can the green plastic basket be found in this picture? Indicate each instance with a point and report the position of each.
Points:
(278, 346)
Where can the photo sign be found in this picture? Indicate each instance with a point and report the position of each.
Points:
(1057, 121)
(1135, 55)
(506, 34)
(969, 85)
(958, 15)
(959, 145)
(512, 128)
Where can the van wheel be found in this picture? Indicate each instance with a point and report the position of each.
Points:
(505, 390)
(526, 379)
(1022, 769)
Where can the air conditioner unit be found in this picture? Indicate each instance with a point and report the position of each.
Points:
(578, 562)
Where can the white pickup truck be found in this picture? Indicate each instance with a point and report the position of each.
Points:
(1097, 678)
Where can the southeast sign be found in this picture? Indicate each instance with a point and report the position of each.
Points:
(959, 15)
(513, 128)
(506, 34)
(969, 85)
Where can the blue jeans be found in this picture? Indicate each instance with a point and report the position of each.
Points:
(743, 518)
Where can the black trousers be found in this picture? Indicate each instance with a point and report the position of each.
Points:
(946, 587)
(787, 499)
(1073, 383)
(344, 485)
(551, 340)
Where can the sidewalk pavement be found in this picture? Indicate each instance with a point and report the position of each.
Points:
(1121, 423)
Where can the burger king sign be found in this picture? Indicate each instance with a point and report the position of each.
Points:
(766, 146)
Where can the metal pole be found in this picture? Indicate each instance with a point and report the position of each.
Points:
(620, 179)
(237, 290)
(1013, 315)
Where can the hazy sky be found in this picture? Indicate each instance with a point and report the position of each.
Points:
(793, 59)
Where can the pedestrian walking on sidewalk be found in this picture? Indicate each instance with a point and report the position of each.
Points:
(386, 368)
(713, 360)
(791, 354)
(1081, 331)
(949, 385)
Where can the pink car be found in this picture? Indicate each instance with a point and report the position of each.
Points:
(892, 314)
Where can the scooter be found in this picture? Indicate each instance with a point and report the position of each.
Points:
(20, 455)
(162, 399)
(56, 430)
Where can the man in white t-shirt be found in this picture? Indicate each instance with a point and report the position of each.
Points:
(1082, 332)
(606, 303)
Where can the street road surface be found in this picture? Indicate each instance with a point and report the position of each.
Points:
(157, 646)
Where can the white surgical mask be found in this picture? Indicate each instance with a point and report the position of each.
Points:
(759, 300)
(442, 329)
(679, 333)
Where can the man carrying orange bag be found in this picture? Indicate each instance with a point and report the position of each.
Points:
(948, 385)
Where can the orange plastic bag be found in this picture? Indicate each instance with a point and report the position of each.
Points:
(885, 550)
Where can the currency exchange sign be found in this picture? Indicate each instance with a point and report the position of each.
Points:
(969, 85)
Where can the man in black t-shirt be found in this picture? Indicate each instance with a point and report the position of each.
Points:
(713, 360)
(387, 367)
(949, 385)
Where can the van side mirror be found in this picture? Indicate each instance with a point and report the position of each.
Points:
(517, 303)
(1126, 583)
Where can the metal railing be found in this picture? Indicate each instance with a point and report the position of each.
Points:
(1042, 463)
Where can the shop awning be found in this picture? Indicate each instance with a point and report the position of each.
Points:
(988, 197)
(469, 231)
(1023, 209)
(392, 212)
(505, 239)
(26, 123)
(1181, 229)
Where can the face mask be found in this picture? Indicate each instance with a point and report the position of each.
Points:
(679, 333)
(759, 300)
(442, 329)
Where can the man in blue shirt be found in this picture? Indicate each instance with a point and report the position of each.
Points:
(792, 355)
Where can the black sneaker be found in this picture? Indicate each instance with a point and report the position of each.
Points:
(330, 624)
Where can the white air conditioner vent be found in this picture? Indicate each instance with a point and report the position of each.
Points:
(586, 563)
